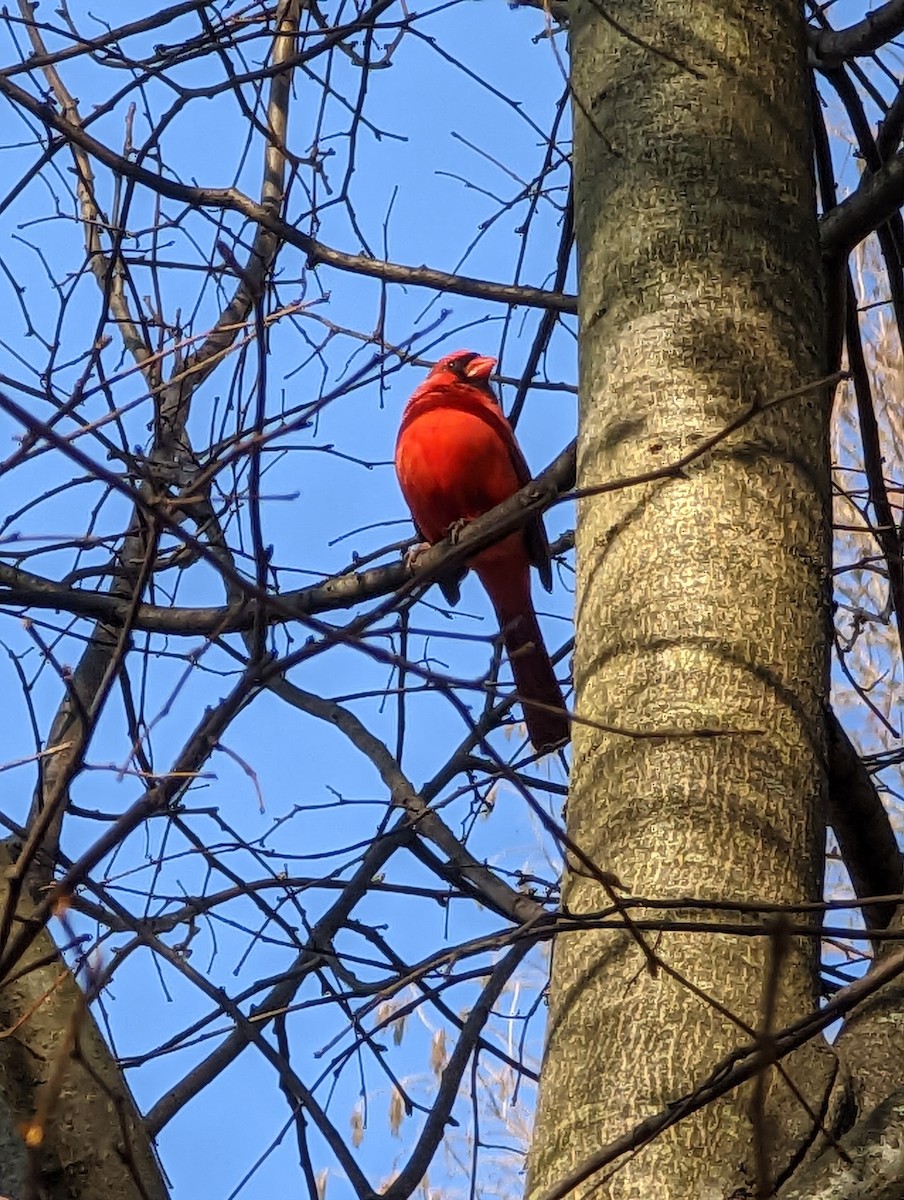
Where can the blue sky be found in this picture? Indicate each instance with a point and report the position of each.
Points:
(423, 187)
(456, 129)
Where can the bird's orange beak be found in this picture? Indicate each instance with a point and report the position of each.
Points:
(480, 368)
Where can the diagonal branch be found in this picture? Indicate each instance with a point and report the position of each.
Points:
(830, 48)
(232, 200)
(170, 448)
(877, 199)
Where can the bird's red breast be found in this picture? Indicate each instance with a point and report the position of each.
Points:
(456, 455)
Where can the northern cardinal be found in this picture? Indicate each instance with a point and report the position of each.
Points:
(456, 458)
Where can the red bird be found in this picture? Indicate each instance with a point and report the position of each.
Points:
(456, 458)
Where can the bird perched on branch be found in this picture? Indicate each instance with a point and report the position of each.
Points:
(456, 458)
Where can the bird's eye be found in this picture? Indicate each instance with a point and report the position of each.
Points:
(457, 365)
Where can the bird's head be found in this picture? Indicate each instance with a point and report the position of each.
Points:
(464, 366)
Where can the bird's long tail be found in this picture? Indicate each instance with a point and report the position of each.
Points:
(535, 680)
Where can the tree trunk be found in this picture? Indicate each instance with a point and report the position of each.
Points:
(62, 1094)
(702, 598)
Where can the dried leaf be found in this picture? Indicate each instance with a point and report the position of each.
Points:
(357, 1124)
(396, 1112)
(438, 1052)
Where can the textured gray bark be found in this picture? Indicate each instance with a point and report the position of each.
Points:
(702, 598)
(53, 1057)
(873, 1038)
(13, 1158)
(875, 1170)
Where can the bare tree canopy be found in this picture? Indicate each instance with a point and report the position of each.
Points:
(290, 903)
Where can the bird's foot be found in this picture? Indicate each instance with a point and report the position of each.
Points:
(456, 529)
(414, 553)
